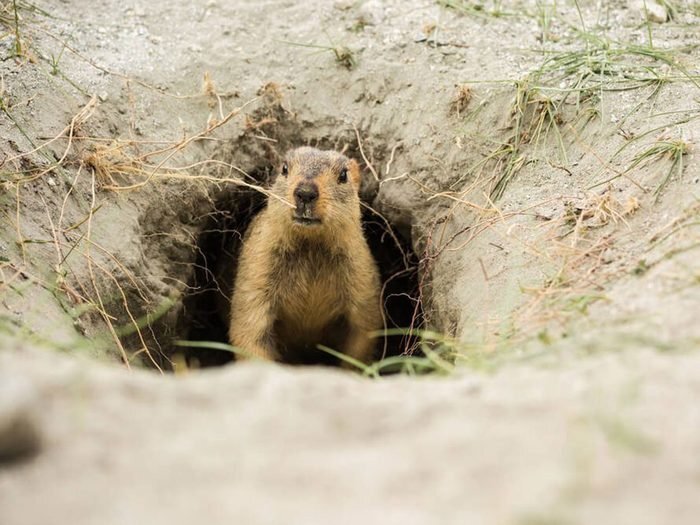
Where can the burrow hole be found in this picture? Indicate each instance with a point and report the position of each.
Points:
(204, 316)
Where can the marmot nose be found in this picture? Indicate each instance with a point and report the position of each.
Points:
(306, 193)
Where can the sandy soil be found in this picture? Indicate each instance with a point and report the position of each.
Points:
(571, 286)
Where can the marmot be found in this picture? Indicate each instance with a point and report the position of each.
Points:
(306, 275)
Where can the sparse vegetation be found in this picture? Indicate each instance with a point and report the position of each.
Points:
(493, 8)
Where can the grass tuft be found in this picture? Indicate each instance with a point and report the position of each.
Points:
(344, 56)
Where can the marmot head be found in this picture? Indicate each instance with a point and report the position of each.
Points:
(323, 186)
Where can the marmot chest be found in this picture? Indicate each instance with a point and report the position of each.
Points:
(312, 290)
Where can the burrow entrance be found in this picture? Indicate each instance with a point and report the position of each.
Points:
(204, 315)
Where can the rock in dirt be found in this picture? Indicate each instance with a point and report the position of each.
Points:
(650, 10)
(19, 428)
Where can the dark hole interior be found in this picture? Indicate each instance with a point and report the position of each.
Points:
(205, 308)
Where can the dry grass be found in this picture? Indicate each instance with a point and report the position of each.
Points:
(101, 165)
(461, 100)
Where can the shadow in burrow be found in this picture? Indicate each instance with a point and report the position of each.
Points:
(205, 308)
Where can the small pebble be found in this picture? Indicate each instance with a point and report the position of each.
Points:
(650, 9)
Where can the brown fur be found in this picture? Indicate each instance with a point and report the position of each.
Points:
(299, 285)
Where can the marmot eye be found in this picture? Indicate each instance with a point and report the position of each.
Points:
(285, 169)
(343, 176)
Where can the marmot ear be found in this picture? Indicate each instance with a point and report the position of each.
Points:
(354, 173)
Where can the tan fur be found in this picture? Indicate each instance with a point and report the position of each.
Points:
(301, 285)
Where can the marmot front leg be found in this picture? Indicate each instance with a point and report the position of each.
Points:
(251, 329)
(358, 345)
(364, 315)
